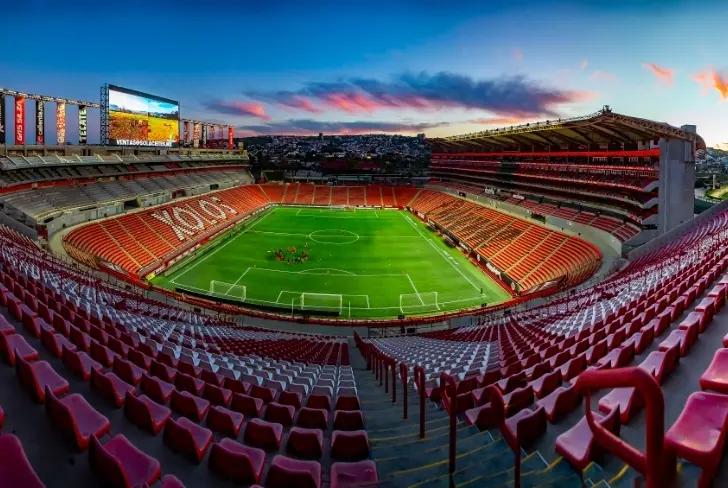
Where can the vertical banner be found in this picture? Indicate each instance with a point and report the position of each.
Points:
(19, 121)
(82, 124)
(196, 134)
(60, 123)
(204, 135)
(40, 122)
(2, 118)
(230, 137)
(186, 132)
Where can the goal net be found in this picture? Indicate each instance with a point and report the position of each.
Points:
(421, 302)
(322, 301)
(228, 290)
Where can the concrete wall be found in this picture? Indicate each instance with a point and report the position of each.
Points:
(677, 182)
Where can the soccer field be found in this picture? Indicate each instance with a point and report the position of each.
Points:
(357, 263)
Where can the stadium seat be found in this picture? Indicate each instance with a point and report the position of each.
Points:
(127, 371)
(282, 414)
(715, 377)
(111, 388)
(191, 406)
(158, 390)
(263, 434)
(12, 346)
(247, 405)
(628, 400)
(15, 468)
(306, 443)
(224, 421)
(187, 437)
(348, 420)
(121, 464)
(76, 418)
(313, 418)
(285, 472)
(577, 444)
(79, 363)
(360, 473)
(217, 395)
(146, 413)
(231, 460)
(39, 376)
(349, 445)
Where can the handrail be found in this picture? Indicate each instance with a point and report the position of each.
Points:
(655, 463)
(420, 382)
(403, 372)
(393, 365)
(448, 385)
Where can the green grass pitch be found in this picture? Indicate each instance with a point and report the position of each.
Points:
(363, 263)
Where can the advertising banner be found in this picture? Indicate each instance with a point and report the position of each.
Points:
(39, 122)
(204, 135)
(82, 124)
(196, 134)
(60, 123)
(2, 119)
(139, 119)
(19, 121)
(230, 138)
(187, 137)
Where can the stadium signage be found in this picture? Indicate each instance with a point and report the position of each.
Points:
(39, 122)
(82, 124)
(2, 119)
(19, 121)
(195, 217)
(60, 123)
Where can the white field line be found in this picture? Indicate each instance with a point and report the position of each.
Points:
(412, 284)
(441, 253)
(208, 255)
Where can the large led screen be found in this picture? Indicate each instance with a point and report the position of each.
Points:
(140, 119)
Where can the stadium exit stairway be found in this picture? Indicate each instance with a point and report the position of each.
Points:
(405, 460)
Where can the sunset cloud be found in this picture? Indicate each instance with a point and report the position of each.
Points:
(251, 109)
(310, 127)
(711, 79)
(513, 95)
(662, 74)
(601, 75)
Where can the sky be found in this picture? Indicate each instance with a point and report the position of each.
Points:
(349, 66)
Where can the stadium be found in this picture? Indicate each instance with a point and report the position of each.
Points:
(201, 301)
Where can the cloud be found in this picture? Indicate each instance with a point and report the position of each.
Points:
(310, 127)
(600, 75)
(584, 64)
(498, 121)
(250, 109)
(517, 54)
(509, 95)
(664, 75)
(712, 79)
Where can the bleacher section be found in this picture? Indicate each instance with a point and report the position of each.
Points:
(616, 193)
(522, 376)
(135, 389)
(528, 254)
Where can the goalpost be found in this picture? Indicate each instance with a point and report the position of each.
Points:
(426, 301)
(224, 289)
(322, 301)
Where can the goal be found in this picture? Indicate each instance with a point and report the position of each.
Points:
(421, 302)
(223, 289)
(322, 301)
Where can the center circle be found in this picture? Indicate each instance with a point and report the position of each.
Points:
(333, 236)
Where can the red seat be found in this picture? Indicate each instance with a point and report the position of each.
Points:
(171, 481)
(189, 383)
(319, 401)
(577, 444)
(146, 413)
(6, 328)
(347, 402)
(15, 468)
(715, 377)
(158, 390)
(102, 354)
(262, 434)
(162, 371)
(80, 363)
(517, 400)
(247, 405)
(189, 405)
(140, 359)
(76, 418)
(306, 443)
(661, 363)
(38, 376)
(704, 312)
(217, 395)
(112, 388)
(683, 338)
(121, 464)
(242, 464)
(560, 402)
(282, 414)
(627, 400)
(546, 383)
(187, 437)
(263, 392)
(285, 472)
(360, 473)
(128, 371)
(290, 398)
(698, 434)
(55, 342)
(525, 427)
(313, 418)
(16, 345)
(348, 420)
(349, 445)
(226, 422)
(236, 386)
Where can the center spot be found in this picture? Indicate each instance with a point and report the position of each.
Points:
(333, 236)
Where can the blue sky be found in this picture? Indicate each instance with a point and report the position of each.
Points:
(412, 66)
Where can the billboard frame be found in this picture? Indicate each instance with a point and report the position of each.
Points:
(105, 107)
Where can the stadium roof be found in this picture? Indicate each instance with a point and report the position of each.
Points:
(603, 127)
